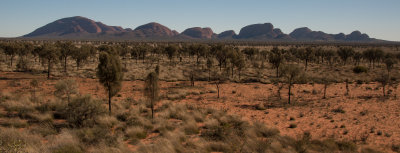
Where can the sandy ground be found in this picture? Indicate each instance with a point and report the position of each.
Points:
(367, 118)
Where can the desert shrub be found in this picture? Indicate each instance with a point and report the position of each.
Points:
(338, 110)
(197, 115)
(396, 148)
(23, 107)
(136, 132)
(52, 105)
(360, 69)
(346, 146)
(83, 112)
(369, 150)
(65, 89)
(97, 135)
(218, 147)
(262, 131)
(191, 128)
(164, 126)
(134, 120)
(65, 142)
(14, 122)
(67, 148)
(44, 129)
(40, 118)
(224, 128)
(161, 145)
(13, 140)
(260, 106)
(107, 121)
(292, 125)
(23, 65)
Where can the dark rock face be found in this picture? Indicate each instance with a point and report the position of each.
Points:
(357, 36)
(307, 34)
(154, 29)
(340, 36)
(74, 25)
(265, 30)
(83, 28)
(197, 32)
(227, 34)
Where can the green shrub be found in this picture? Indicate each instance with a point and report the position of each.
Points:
(360, 69)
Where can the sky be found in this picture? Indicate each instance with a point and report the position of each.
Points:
(378, 18)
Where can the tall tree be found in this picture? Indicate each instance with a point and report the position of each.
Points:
(110, 74)
(151, 90)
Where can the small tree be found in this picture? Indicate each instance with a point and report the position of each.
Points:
(110, 75)
(82, 54)
(291, 73)
(171, 51)
(218, 80)
(276, 59)
(34, 84)
(66, 88)
(383, 80)
(347, 87)
(210, 63)
(240, 64)
(390, 62)
(50, 53)
(345, 53)
(66, 50)
(151, 90)
(307, 55)
(326, 81)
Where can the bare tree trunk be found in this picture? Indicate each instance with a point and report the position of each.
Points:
(347, 87)
(109, 101)
(217, 84)
(48, 69)
(290, 85)
(325, 86)
(65, 64)
(383, 89)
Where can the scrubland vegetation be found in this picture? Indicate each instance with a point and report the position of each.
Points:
(168, 107)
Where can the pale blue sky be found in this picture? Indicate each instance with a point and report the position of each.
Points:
(378, 18)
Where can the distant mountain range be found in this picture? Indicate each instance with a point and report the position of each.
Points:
(83, 28)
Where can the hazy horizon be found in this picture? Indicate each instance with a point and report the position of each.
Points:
(375, 18)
